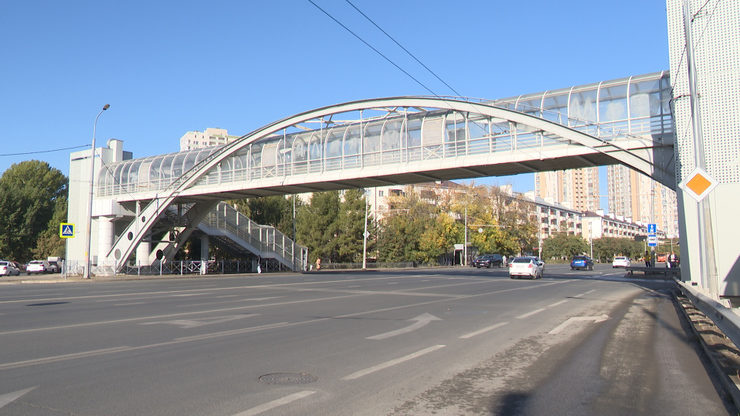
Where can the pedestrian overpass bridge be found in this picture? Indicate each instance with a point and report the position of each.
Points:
(158, 201)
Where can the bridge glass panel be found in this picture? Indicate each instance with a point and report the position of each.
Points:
(334, 138)
(166, 170)
(478, 134)
(352, 147)
(371, 142)
(315, 153)
(155, 172)
(132, 176)
(432, 136)
(255, 160)
(143, 183)
(455, 134)
(299, 152)
(555, 106)
(613, 108)
(582, 110)
(391, 140)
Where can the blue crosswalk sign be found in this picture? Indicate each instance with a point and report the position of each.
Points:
(66, 230)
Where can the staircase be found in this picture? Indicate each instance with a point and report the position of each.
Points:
(226, 223)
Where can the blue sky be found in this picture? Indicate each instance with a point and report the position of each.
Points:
(168, 67)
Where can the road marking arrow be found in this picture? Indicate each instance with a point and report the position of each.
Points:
(421, 321)
(10, 397)
(193, 323)
(561, 327)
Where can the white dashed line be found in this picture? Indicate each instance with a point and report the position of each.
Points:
(484, 330)
(528, 314)
(391, 363)
(276, 403)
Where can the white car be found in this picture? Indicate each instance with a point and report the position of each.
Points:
(621, 261)
(531, 267)
(37, 266)
(8, 269)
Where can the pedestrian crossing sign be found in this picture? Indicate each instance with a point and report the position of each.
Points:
(66, 230)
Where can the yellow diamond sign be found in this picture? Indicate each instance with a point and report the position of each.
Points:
(698, 184)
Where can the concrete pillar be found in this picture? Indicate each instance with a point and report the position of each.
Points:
(143, 250)
(204, 246)
(105, 238)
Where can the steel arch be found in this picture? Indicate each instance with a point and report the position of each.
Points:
(146, 218)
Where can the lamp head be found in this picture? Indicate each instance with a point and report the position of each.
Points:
(105, 107)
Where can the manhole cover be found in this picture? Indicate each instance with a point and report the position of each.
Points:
(288, 378)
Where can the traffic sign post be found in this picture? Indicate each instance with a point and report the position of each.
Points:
(66, 230)
(652, 229)
(652, 240)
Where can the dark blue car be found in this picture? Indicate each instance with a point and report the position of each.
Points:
(581, 263)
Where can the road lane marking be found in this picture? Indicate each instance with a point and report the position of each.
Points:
(129, 303)
(276, 403)
(171, 315)
(552, 305)
(483, 330)
(585, 293)
(528, 314)
(561, 327)
(391, 363)
(7, 398)
(421, 321)
(63, 357)
(194, 323)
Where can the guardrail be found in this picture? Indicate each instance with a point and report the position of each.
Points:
(725, 319)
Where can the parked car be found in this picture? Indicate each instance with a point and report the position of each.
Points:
(582, 263)
(37, 266)
(488, 260)
(54, 267)
(531, 267)
(661, 258)
(621, 261)
(7, 268)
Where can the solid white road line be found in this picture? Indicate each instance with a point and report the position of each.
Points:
(585, 293)
(528, 314)
(276, 403)
(484, 330)
(391, 363)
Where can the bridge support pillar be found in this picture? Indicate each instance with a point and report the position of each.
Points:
(105, 238)
(143, 251)
(204, 248)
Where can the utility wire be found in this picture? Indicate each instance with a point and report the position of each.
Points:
(402, 47)
(371, 47)
(43, 151)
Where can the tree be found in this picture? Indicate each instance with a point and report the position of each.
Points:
(31, 191)
(351, 226)
(318, 228)
(563, 246)
(402, 230)
(49, 244)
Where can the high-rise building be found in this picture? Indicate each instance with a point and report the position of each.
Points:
(636, 196)
(576, 189)
(200, 139)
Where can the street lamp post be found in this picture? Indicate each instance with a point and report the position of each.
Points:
(90, 206)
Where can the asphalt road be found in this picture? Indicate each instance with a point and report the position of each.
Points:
(445, 342)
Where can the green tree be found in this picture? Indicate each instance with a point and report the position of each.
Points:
(351, 226)
(49, 244)
(317, 226)
(30, 193)
(563, 246)
(402, 229)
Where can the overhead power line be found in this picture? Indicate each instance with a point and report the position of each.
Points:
(373, 48)
(402, 47)
(44, 151)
